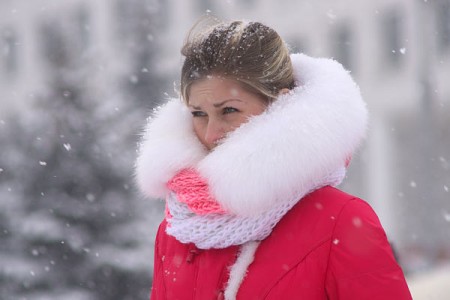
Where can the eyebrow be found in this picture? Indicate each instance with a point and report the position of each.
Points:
(218, 104)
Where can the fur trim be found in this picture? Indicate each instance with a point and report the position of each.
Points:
(168, 145)
(239, 269)
(301, 138)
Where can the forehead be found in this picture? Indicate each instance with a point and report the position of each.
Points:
(215, 86)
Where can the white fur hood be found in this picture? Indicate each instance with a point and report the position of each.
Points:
(301, 138)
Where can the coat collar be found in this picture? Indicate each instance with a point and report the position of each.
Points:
(302, 137)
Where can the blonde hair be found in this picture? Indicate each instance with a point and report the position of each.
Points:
(250, 53)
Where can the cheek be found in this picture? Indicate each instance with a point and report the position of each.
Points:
(236, 121)
(199, 128)
(259, 108)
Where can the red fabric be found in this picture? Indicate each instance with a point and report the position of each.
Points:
(329, 246)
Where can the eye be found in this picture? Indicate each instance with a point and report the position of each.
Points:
(228, 110)
(198, 113)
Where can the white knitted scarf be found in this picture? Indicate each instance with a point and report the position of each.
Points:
(223, 230)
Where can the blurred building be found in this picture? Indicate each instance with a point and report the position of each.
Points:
(36, 36)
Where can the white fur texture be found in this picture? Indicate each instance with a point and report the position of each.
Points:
(303, 137)
(239, 269)
(168, 145)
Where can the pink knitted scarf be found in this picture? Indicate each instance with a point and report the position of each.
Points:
(193, 190)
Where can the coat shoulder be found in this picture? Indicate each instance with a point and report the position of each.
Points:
(320, 209)
(316, 218)
(299, 246)
(330, 196)
(327, 239)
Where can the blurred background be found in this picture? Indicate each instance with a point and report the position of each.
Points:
(79, 77)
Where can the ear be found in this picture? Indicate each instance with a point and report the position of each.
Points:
(283, 91)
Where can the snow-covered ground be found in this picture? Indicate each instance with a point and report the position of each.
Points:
(431, 285)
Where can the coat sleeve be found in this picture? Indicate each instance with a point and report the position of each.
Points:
(361, 263)
(158, 291)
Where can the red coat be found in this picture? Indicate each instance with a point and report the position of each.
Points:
(330, 245)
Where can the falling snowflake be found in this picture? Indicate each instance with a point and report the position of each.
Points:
(133, 79)
(447, 216)
(42, 163)
(357, 222)
(331, 15)
(90, 197)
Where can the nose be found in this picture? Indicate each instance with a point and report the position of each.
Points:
(215, 131)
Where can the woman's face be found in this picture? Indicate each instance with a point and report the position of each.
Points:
(219, 106)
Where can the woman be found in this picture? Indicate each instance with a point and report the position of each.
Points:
(248, 166)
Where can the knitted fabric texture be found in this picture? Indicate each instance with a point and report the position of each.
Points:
(221, 230)
(192, 190)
